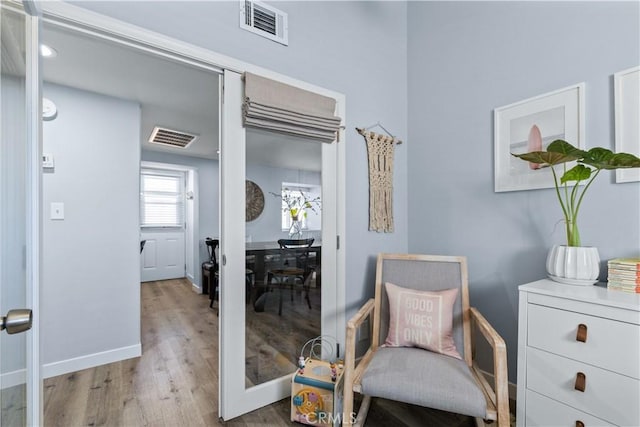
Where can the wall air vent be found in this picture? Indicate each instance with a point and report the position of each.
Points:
(171, 138)
(264, 20)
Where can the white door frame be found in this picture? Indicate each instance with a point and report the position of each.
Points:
(85, 21)
(35, 401)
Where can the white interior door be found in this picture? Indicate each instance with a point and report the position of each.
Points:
(163, 256)
(236, 397)
(20, 179)
(163, 219)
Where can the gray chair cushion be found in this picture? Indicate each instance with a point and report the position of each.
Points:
(424, 378)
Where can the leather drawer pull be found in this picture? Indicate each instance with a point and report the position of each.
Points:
(582, 333)
(579, 424)
(581, 382)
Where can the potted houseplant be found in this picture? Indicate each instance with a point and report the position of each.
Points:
(574, 263)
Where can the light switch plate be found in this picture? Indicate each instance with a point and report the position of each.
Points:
(47, 161)
(57, 210)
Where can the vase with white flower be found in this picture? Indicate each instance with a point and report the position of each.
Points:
(295, 203)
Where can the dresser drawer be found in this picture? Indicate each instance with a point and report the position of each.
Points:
(545, 412)
(607, 395)
(609, 344)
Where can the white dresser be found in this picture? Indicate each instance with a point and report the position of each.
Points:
(578, 356)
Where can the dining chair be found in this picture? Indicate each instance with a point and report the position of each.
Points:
(422, 350)
(292, 269)
(209, 269)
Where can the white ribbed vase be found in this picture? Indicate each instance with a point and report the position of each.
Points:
(573, 265)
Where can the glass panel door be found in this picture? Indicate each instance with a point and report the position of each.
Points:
(19, 124)
(258, 354)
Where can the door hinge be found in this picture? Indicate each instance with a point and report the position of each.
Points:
(337, 242)
(224, 260)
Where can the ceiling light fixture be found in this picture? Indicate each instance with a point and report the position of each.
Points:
(47, 51)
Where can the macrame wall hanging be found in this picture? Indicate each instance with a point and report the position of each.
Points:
(380, 150)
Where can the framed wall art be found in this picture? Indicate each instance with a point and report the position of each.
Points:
(626, 86)
(531, 125)
(254, 200)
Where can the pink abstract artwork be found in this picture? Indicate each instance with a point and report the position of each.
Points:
(534, 144)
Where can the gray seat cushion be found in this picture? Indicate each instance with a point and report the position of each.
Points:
(424, 378)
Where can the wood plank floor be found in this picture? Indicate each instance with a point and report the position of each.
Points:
(175, 381)
(13, 406)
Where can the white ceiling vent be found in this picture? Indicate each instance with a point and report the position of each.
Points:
(171, 138)
(264, 20)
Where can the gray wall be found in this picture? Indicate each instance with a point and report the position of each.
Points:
(91, 262)
(465, 59)
(357, 48)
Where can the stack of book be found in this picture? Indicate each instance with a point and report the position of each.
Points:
(624, 274)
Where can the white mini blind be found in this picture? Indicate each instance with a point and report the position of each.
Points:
(279, 107)
(161, 199)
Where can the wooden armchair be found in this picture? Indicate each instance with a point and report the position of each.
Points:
(418, 376)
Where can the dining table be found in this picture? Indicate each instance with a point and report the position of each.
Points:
(260, 251)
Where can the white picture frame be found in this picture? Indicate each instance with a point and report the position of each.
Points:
(557, 115)
(626, 86)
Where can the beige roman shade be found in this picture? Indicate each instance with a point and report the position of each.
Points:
(279, 107)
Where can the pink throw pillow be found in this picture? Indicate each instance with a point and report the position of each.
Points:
(421, 319)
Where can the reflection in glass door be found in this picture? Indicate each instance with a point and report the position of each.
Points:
(283, 285)
(18, 203)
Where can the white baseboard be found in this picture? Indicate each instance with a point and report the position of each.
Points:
(90, 361)
(513, 388)
(11, 379)
(195, 288)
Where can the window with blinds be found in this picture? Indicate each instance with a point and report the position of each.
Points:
(161, 198)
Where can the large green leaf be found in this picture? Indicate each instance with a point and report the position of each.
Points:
(562, 146)
(625, 160)
(598, 157)
(576, 173)
(545, 157)
(601, 158)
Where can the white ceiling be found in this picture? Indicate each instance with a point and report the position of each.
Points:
(171, 95)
